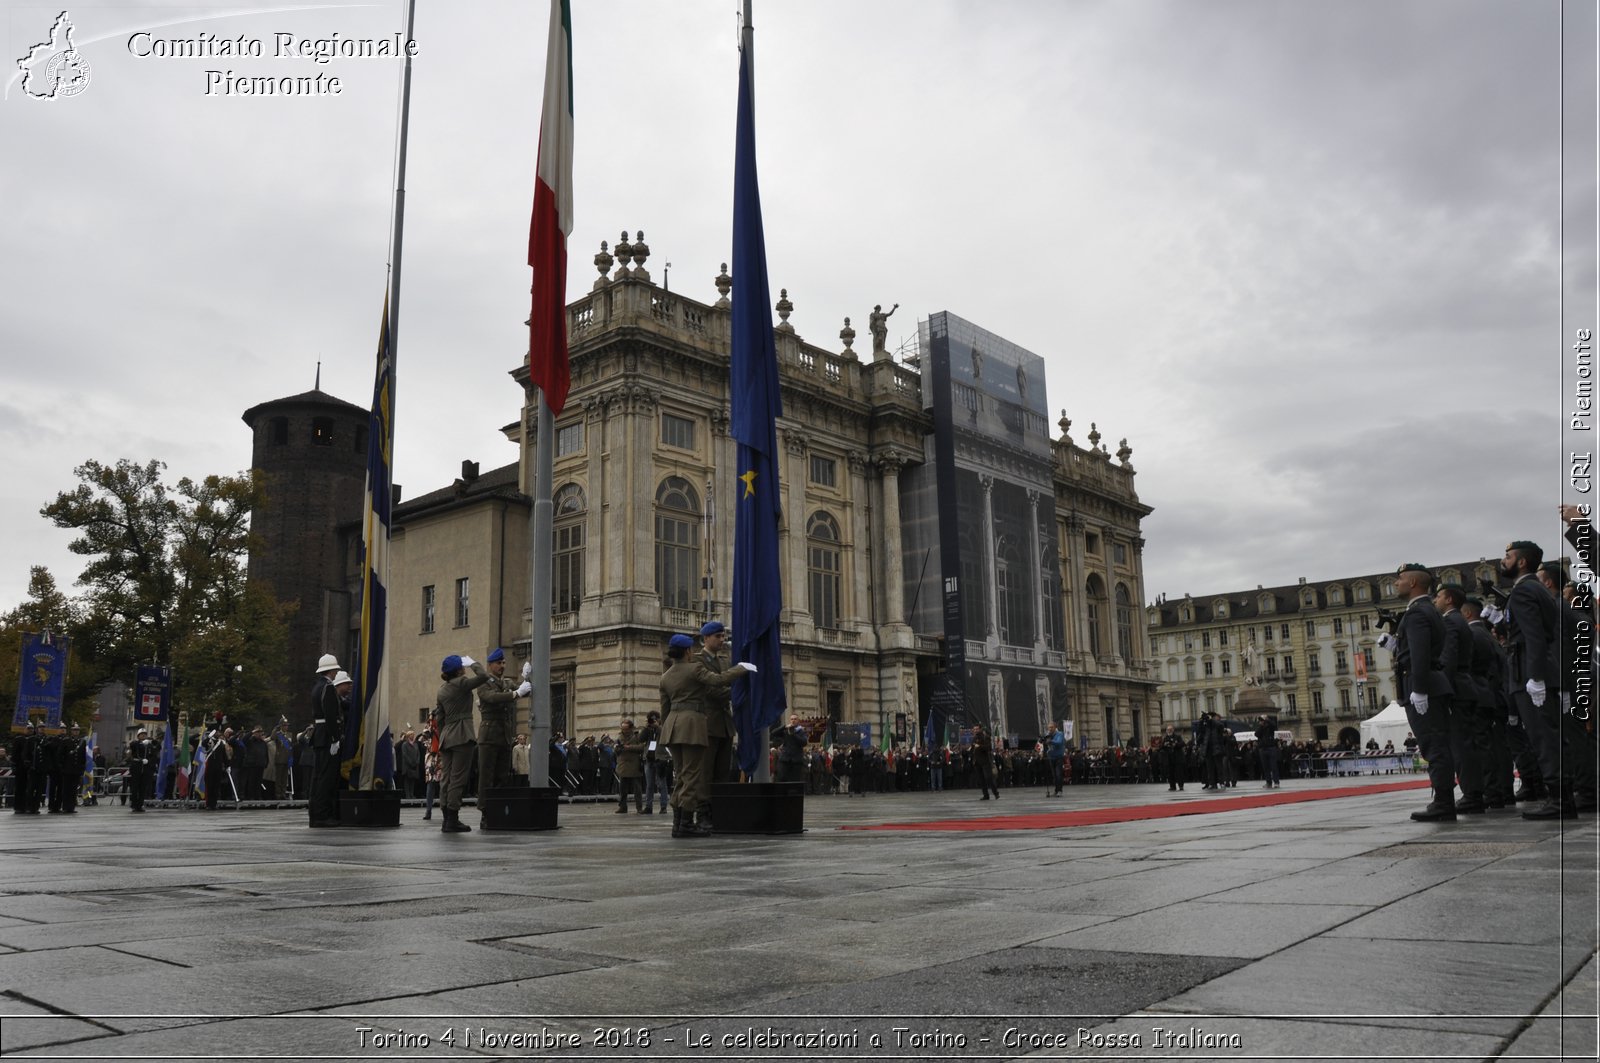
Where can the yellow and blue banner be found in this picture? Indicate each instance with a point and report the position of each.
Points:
(373, 744)
(42, 682)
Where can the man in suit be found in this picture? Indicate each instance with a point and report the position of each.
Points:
(1418, 644)
(1534, 679)
(327, 726)
(454, 702)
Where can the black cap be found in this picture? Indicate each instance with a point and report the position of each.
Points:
(1411, 566)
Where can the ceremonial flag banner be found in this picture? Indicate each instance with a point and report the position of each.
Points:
(552, 218)
(756, 404)
(374, 745)
(43, 679)
(152, 684)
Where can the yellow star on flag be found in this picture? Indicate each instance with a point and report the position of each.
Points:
(749, 479)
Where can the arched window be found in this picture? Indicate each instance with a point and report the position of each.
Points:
(567, 540)
(822, 551)
(1094, 607)
(1016, 600)
(677, 543)
(1124, 623)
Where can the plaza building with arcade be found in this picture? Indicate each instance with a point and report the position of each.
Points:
(1047, 569)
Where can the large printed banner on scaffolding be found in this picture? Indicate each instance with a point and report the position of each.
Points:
(43, 680)
(152, 692)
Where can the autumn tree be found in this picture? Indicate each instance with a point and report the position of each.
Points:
(165, 583)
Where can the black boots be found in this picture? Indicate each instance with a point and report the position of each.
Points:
(691, 824)
(452, 822)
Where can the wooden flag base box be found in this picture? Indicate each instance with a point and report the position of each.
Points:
(369, 808)
(519, 807)
(758, 807)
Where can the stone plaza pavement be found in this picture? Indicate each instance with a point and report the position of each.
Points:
(1329, 929)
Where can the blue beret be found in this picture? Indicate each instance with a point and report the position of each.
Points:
(713, 628)
(451, 663)
(681, 642)
(496, 654)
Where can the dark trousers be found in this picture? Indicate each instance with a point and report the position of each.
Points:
(1543, 725)
(1469, 745)
(633, 784)
(135, 784)
(985, 773)
(1055, 773)
(791, 771)
(1497, 781)
(720, 766)
(1432, 731)
(323, 804)
(1269, 764)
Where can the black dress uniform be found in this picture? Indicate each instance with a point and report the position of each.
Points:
(142, 759)
(1533, 647)
(1469, 724)
(1488, 669)
(25, 766)
(327, 725)
(1417, 670)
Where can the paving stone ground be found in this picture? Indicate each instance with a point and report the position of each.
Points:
(1329, 929)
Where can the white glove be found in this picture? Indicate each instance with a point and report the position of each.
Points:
(1566, 703)
(333, 750)
(747, 666)
(1419, 701)
(1536, 691)
(525, 689)
(1388, 642)
(527, 670)
(1492, 613)
(467, 662)
(1513, 721)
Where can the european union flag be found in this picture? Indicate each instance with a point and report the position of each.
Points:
(758, 700)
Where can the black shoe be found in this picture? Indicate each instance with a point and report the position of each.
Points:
(1528, 793)
(677, 823)
(648, 810)
(1550, 809)
(623, 811)
(1471, 805)
(985, 797)
(453, 824)
(1436, 812)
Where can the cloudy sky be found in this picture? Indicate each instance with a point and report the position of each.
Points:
(1307, 257)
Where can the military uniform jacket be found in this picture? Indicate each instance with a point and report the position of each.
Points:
(1456, 659)
(455, 706)
(142, 751)
(1533, 642)
(1488, 662)
(719, 703)
(1416, 661)
(684, 700)
(327, 714)
(497, 710)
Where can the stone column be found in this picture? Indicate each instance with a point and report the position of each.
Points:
(1080, 588)
(989, 598)
(1038, 576)
(893, 561)
(855, 527)
(797, 598)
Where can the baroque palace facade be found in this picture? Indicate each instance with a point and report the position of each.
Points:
(643, 537)
(1312, 647)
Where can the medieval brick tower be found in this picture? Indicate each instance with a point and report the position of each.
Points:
(311, 450)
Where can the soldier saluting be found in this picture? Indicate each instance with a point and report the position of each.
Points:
(497, 710)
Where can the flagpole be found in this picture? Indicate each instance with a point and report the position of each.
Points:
(540, 575)
(400, 198)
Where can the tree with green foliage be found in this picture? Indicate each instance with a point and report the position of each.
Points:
(46, 609)
(165, 584)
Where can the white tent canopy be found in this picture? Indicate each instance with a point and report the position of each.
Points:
(1390, 725)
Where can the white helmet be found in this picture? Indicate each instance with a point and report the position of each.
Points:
(328, 663)
(342, 677)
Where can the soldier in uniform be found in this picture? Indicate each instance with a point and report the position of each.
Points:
(497, 727)
(143, 757)
(454, 702)
(1535, 680)
(327, 725)
(719, 705)
(1469, 724)
(1488, 674)
(685, 705)
(1424, 689)
(25, 767)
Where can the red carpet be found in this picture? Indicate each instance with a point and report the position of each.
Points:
(1090, 816)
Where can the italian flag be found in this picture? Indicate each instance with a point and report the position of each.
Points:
(552, 218)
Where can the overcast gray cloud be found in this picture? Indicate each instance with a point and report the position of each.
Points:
(1305, 256)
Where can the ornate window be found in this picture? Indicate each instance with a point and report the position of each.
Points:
(1094, 606)
(822, 551)
(567, 541)
(1016, 598)
(677, 543)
